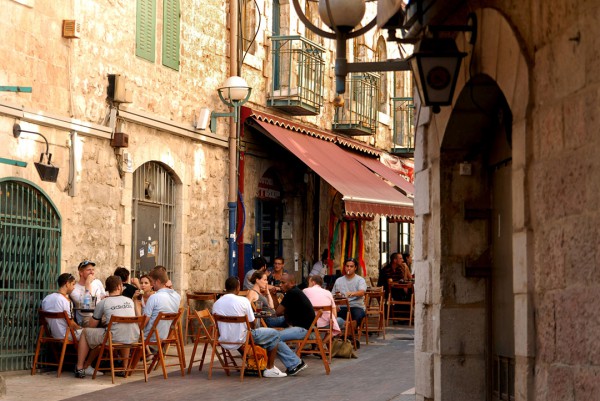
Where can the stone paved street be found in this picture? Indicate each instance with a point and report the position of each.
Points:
(383, 371)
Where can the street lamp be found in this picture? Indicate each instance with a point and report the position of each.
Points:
(46, 171)
(234, 93)
(435, 63)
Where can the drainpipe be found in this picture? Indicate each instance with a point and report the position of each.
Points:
(233, 149)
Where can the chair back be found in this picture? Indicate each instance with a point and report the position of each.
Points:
(45, 336)
(45, 318)
(192, 300)
(163, 318)
(118, 320)
(313, 338)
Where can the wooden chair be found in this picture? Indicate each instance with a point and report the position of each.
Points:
(401, 313)
(109, 347)
(350, 328)
(227, 361)
(374, 320)
(373, 281)
(205, 334)
(174, 339)
(191, 317)
(45, 337)
(327, 331)
(312, 338)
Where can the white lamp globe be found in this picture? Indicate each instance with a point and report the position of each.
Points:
(235, 88)
(346, 14)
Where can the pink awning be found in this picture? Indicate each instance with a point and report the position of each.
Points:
(377, 167)
(364, 193)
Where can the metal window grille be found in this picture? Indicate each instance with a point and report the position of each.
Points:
(30, 240)
(404, 122)
(358, 116)
(504, 378)
(153, 189)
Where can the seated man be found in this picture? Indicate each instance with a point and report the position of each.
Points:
(297, 309)
(59, 302)
(395, 271)
(163, 300)
(320, 268)
(87, 282)
(130, 289)
(318, 296)
(115, 304)
(353, 287)
(231, 304)
(258, 263)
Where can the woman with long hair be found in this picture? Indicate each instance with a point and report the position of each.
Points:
(259, 293)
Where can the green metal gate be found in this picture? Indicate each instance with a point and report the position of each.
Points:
(30, 235)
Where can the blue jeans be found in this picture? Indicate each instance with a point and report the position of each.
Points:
(357, 314)
(269, 339)
(275, 321)
(292, 333)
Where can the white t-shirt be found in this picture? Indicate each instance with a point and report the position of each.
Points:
(57, 302)
(119, 306)
(233, 305)
(79, 292)
(318, 269)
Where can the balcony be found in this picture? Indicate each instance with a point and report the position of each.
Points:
(297, 82)
(403, 143)
(358, 115)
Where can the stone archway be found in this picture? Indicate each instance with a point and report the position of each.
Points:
(450, 354)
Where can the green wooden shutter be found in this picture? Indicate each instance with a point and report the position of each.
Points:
(170, 49)
(145, 34)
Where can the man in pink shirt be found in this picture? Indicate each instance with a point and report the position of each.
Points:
(319, 296)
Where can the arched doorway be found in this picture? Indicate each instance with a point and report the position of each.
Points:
(30, 244)
(478, 141)
(153, 219)
(269, 216)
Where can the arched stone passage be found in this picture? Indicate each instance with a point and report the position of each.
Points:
(451, 340)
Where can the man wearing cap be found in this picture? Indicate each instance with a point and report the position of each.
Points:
(87, 281)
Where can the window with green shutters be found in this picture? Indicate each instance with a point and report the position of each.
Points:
(146, 31)
(170, 50)
(145, 34)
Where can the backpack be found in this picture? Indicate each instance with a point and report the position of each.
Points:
(261, 355)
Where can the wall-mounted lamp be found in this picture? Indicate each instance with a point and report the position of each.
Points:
(234, 93)
(435, 62)
(46, 171)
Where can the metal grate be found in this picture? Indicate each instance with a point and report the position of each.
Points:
(504, 378)
(153, 211)
(404, 124)
(358, 115)
(30, 235)
(297, 84)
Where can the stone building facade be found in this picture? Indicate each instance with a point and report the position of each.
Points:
(506, 210)
(162, 198)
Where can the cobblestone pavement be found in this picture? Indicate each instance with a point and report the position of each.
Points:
(384, 370)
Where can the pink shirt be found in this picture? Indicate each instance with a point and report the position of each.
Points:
(320, 297)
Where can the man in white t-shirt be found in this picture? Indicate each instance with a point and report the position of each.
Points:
(87, 281)
(232, 304)
(117, 305)
(59, 302)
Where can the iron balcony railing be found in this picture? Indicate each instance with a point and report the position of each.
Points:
(297, 82)
(358, 115)
(404, 125)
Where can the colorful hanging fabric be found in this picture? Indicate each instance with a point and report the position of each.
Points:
(361, 248)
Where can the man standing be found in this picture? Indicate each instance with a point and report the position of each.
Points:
(297, 309)
(231, 304)
(89, 282)
(318, 296)
(163, 300)
(117, 305)
(59, 302)
(353, 287)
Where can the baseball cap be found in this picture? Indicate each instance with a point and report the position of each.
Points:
(85, 263)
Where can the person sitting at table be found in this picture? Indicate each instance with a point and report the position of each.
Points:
(58, 302)
(168, 284)
(145, 292)
(320, 267)
(258, 263)
(395, 271)
(231, 304)
(276, 274)
(129, 288)
(89, 282)
(297, 309)
(259, 293)
(353, 287)
(93, 335)
(318, 296)
(163, 300)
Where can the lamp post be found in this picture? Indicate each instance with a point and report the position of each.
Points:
(234, 93)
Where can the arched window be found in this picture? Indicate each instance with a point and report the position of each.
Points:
(381, 55)
(153, 219)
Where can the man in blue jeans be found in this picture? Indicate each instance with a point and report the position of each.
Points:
(231, 304)
(297, 309)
